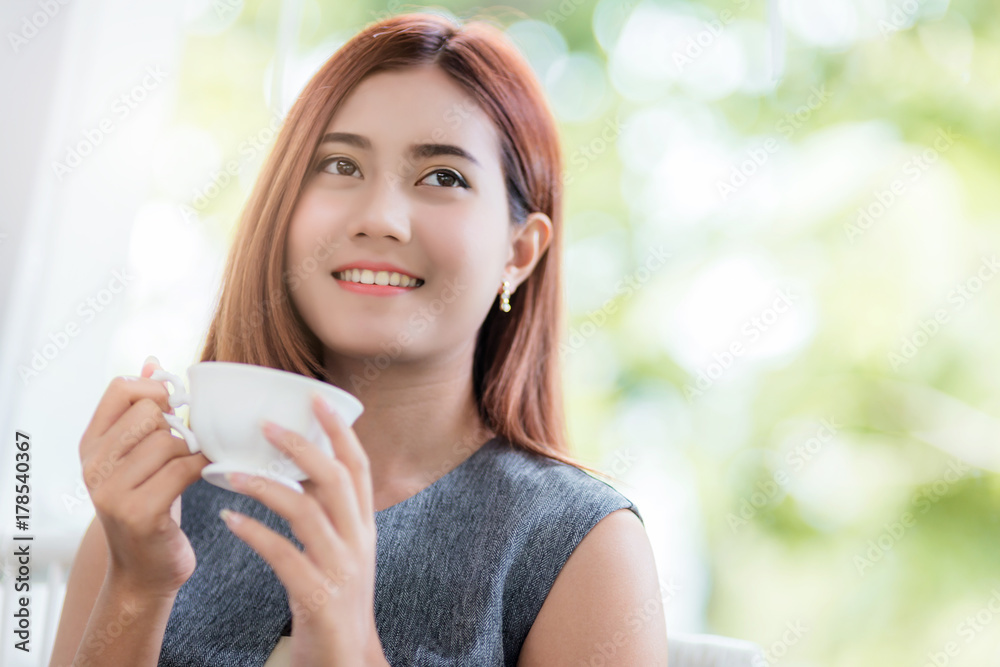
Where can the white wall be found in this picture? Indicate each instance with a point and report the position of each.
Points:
(97, 76)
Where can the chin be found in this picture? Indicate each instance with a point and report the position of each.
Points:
(381, 347)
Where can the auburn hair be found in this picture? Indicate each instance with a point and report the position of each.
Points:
(516, 365)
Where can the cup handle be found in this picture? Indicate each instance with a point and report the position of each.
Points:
(176, 399)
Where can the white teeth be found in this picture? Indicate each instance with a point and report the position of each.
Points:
(369, 277)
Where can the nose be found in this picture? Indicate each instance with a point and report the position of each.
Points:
(384, 211)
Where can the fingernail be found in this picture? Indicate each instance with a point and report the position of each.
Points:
(323, 404)
(236, 479)
(231, 518)
(270, 429)
(150, 359)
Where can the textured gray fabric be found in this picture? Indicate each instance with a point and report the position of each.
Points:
(462, 567)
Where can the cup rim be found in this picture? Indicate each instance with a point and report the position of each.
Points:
(338, 392)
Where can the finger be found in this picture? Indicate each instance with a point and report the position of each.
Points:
(150, 455)
(148, 367)
(163, 487)
(100, 458)
(139, 421)
(305, 515)
(348, 450)
(125, 471)
(299, 576)
(334, 486)
(122, 392)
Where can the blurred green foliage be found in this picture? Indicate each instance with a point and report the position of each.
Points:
(864, 538)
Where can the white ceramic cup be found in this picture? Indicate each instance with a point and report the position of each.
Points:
(226, 402)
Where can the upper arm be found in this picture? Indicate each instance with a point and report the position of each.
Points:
(604, 602)
(85, 580)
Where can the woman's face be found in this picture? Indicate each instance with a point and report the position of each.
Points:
(417, 184)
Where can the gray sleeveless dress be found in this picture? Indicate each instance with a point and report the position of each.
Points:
(462, 567)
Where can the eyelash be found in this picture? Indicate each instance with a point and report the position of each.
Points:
(322, 164)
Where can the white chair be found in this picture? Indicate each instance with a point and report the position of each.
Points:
(691, 650)
(51, 557)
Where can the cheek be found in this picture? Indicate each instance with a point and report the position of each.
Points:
(297, 232)
(468, 261)
(469, 246)
(307, 235)
(308, 252)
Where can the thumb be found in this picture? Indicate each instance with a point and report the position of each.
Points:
(151, 364)
(175, 510)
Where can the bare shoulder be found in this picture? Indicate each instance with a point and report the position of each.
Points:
(605, 602)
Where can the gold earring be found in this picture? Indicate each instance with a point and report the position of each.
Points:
(505, 297)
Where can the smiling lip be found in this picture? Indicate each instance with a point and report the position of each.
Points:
(376, 267)
(374, 290)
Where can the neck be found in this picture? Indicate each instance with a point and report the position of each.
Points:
(420, 418)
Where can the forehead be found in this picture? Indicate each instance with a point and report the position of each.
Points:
(397, 108)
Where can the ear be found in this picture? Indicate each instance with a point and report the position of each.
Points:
(528, 243)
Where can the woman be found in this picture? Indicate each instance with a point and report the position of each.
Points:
(452, 527)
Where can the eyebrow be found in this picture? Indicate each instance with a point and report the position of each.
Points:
(417, 151)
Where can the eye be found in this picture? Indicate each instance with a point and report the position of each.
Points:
(448, 178)
(338, 166)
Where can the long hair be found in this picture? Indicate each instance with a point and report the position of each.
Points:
(516, 364)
